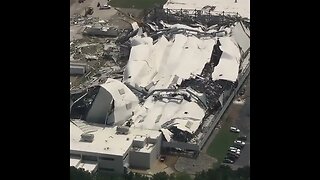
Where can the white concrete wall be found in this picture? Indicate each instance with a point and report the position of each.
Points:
(139, 160)
(155, 153)
(115, 162)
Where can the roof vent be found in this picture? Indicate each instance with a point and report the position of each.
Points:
(122, 130)
(128, 106)
(87, 137)
(121, 91)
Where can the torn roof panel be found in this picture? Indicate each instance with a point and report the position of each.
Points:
(169, 111)
(123, 97)
(169, 61)
(138, 65)
(180, 57)
(186, 125)
(227, 69)
(241, 35)
(229, 63)
(135, 26)
(167, 134)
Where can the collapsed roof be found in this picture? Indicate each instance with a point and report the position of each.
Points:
(111, 103)
(169, 69)
(181, 74)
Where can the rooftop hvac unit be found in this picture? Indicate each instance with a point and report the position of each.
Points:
(122, 130)
(87, 137)
(139, 141)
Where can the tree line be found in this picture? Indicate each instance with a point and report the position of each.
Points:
(220, 173)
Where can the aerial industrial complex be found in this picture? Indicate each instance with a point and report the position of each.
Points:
(157, 87)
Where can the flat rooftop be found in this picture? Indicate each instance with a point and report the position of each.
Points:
(74, 162)
(146, 149)
(106, 141)
(88, 165)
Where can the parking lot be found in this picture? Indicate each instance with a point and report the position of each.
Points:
(242, 122)
(237, 115)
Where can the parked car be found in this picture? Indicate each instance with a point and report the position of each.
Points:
(234, 151)
(234, 129)
(233, 154)
(239, 142)
(242, 138)
(238, 146)
(234, 148)
(229, 161)
(105, 6)
(162, 158)
(231, 157)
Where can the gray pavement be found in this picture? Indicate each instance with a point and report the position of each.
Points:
(243, 123)
(192, 166)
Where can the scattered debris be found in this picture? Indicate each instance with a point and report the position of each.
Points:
(116, 53)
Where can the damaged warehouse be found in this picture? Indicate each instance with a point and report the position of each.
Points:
(167, 96)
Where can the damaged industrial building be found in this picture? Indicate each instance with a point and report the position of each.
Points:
(176, 83)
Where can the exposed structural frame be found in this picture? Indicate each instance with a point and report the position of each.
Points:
(218, 118)
(123, 124)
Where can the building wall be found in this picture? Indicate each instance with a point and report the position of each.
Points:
(155, 153)
(181, 145)
(112, 164)
(139, 160)
(106, 162)
(101, 106)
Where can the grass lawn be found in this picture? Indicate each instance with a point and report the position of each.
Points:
(138, 4)
(221, 143)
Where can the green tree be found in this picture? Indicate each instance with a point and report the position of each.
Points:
(183, 176)
(201, 176)
(79, 174)
(138, 176)
(129, 176)
(160, 176)
(172, 177)
(224, 173)
(243, 173)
